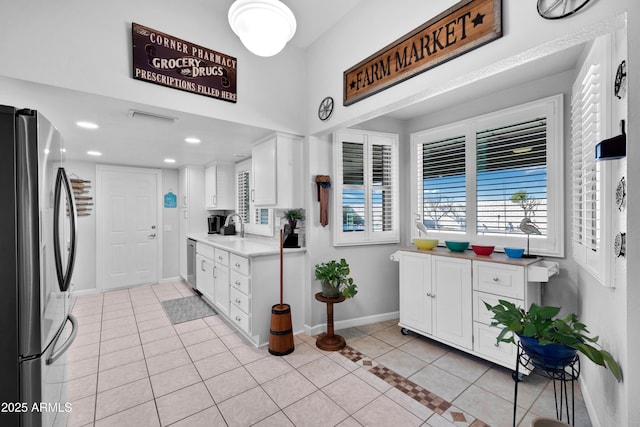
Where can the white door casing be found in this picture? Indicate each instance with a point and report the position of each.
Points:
(128, 220)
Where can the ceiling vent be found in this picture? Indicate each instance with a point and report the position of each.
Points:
(138, 114)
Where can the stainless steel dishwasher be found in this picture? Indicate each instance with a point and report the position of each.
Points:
(191, 262)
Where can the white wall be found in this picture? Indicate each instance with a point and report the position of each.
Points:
(170, 228)
(86, 46)
(84, 273)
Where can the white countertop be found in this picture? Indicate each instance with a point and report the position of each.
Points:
(247, 246)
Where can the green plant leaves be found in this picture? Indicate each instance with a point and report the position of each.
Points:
(540, 322)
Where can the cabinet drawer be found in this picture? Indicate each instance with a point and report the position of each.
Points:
(204, 250)
(239, 264)
(499, 279)
(222, 257)
(484, 342)
(240, 318)
(240, 282)
(240, 300)
(480, 312)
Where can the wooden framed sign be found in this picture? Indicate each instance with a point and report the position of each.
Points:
(459, 29)
(169, 61)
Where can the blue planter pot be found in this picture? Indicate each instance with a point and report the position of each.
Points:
(549, 356)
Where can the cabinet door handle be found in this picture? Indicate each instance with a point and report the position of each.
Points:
(237, 264)
(220, 257)
(237, 283)
(433, 295)
(253, 199)
(238, 300)
(238, 318)
(496, 279)
(429, 294)
(215, 199)
(496, 345)
(202, 265)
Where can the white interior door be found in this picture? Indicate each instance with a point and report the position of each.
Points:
(128, 221)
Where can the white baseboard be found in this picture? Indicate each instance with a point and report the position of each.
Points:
(350, 323)
(81, 292)
(589, 404)
(172, 280)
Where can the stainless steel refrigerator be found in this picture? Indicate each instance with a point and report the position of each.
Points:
(37, 255)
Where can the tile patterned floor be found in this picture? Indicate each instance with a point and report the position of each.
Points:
(129, 366)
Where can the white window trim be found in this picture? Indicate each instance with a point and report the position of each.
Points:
(552, 107)
(366, 237)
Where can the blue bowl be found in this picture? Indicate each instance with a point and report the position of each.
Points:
(514, 252)
(456, 246)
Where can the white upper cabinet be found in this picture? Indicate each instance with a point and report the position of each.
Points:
(276, 164)
(219, 188)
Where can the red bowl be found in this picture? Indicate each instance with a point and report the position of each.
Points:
(482, 250)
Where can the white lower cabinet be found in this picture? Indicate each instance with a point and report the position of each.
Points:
(435, 297)
(451, 295)
(243, 289)
(240, 280)
(442, 297)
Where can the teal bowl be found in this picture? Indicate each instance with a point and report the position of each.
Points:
(456, 246)
(514, 252)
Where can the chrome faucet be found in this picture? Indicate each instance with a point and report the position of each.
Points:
(226, 223)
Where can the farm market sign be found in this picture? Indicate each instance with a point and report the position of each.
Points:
(463, 27)
(168, 61)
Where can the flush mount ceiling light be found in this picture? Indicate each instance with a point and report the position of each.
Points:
(192, 140)
(94, 153)
(264, 26)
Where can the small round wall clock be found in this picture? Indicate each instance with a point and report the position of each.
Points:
(325, 109)
(621, 80)
(557, 9)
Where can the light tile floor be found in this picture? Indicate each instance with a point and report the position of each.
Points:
(129, 366)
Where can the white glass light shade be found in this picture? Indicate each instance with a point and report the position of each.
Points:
(264, 26)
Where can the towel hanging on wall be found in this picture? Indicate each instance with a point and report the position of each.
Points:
(323, 182)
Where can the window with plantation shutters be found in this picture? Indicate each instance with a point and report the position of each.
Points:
(585, 134)
(243, 192)
(366, 187)
(511, 177)
(476, 180)
(256, 220)
(591, 203)
(441, 167)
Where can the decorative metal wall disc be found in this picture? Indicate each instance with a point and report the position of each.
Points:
(620, 244)
(621, 193)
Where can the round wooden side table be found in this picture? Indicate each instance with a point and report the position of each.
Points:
(330, 341)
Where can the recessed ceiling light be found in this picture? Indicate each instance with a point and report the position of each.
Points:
(87, 125)
(94, 153)
(192, 140)
(169, 160)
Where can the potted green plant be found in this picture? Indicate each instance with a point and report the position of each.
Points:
(335, 279)
(293, 215)
(549, 341)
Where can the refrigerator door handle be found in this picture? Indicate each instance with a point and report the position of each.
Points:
(64, 277)
(55, 355)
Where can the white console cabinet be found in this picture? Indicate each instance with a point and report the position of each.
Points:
(442, 296)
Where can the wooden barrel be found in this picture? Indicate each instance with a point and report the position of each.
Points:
(281, 336)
